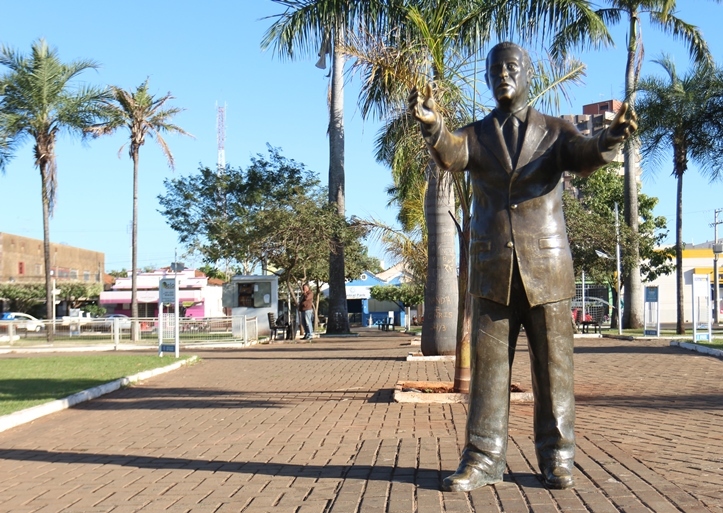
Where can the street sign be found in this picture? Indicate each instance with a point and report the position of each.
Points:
(651, 325)
(177, 267)
(702, 325)
(168, 348)
(167, 290)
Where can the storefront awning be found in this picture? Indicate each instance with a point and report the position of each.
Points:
(145, 296)
(709, 272)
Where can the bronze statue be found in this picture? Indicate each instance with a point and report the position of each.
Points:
(520, 266)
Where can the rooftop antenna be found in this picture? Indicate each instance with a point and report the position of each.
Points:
(221, 138)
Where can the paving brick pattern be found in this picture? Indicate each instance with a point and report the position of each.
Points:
(312, 428)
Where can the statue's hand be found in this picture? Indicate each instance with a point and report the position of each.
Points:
(623, 125)
(422, 106)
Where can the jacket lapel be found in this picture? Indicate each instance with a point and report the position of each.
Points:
(533, 136)
(490, 136)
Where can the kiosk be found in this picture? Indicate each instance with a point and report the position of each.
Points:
(253, 296)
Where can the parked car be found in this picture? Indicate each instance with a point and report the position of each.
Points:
(106, 322)
(23, 321)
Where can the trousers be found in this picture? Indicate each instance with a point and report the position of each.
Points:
(495, 330)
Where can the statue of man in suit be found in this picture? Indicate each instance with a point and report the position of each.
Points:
(520, 266)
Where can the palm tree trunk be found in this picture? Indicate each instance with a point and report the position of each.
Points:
(633, 313)
(49, 297)
(679, 327)
(439, 329)
(338, 321)
(134, 254)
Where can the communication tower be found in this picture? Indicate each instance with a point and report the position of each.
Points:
(221, 137)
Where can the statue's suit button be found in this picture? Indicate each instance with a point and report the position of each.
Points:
(513, 206)
(510, 244)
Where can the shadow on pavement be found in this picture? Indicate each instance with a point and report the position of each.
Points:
(659, 402)
(418, 476)
(186, 398)
(630, 349)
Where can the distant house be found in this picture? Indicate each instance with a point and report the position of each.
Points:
(362, 306)
(200, 296)
(697, 260)
(22, 261)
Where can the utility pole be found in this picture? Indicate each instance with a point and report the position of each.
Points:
(717, 249)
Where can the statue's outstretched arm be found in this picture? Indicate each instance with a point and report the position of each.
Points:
(448, 150)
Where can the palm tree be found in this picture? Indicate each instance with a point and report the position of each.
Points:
(143, 115)
(685, 114)
(37, 102)
(305, 27)
(661, 14)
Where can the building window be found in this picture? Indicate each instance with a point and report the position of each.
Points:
(38, 270)
(86, 275)
(21, 268)
(254, 295)
(147, 309)
(74, 274)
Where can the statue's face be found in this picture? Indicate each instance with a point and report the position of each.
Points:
(508, 77)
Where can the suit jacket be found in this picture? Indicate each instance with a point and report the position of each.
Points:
(517, 210)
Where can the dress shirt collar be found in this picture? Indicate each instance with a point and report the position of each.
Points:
(521, 116)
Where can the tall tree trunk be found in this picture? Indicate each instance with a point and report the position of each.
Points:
(463, 355)
(439, 329)
(338, 321)
(633, 313)
(135, 332)
(679, 327)
(49, 297)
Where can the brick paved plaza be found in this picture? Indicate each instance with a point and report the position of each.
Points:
(312, 428)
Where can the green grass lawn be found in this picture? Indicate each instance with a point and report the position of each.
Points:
(28, 381)
(716, 344)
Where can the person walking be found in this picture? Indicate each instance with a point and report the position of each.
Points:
(306, 307)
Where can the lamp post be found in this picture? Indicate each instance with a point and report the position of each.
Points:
(617, 266)
(717, 250)
(177, 267)
(602, 254)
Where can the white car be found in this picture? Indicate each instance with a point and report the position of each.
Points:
(24, 321)
(124, 322)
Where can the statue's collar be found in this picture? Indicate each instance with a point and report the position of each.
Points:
(520, 114)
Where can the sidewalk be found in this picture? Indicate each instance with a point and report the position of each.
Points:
(311, 428)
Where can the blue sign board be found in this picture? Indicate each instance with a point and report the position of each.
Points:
(651, 294)
(168, 348)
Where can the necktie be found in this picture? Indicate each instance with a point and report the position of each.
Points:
(511, 133)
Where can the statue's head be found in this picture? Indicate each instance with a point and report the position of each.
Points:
(508, 75)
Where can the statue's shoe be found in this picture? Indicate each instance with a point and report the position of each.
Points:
(558, 477)
(469, 477)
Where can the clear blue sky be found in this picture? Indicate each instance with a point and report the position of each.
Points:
(208, 53)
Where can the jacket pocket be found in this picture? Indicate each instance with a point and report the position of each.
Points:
(479, 246)
(551, 242)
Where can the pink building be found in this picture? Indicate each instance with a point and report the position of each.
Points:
(199, 295)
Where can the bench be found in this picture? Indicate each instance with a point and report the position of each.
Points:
(385, 324)
(586, 326)
(277, 327)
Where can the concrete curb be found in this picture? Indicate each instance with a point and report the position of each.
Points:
(28, 415)
(419, 357)
(401, 396)
(697, 348)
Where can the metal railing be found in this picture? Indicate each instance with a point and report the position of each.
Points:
(86, 331)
